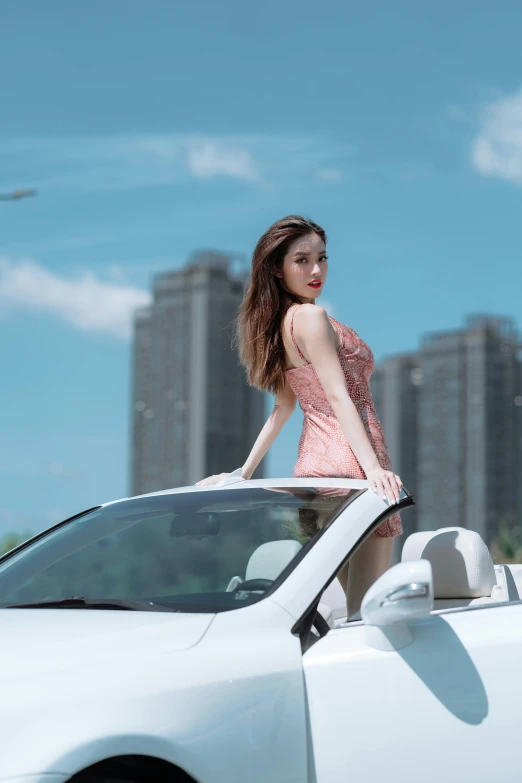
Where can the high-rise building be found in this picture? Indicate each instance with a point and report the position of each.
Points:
(193, 413)
(452, 415)
(469, 435)
(395, 390)
(516, 409)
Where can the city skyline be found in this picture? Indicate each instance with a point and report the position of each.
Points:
(396, 127)
(395, 385)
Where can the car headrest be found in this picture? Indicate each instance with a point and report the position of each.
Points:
(268, 560)
(460, 560)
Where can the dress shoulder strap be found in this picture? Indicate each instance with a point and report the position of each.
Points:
(292, 335)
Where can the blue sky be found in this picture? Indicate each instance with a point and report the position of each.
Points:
(152, 129)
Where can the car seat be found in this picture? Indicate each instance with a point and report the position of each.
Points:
(463, 571)
(267, 561)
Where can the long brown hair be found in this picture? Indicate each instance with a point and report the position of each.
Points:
(258, 326)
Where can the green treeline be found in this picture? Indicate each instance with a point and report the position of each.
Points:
(9, 540)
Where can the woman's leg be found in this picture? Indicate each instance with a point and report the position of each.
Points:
(342, 576)
(371, 560)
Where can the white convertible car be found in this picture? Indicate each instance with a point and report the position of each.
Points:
(200, 634)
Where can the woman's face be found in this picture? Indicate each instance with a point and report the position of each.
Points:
(305, 267)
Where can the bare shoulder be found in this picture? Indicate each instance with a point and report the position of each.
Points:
(314, 330)
(310, 317)
(309, 312)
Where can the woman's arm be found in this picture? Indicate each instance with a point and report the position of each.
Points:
(316, 335)
(284, 406)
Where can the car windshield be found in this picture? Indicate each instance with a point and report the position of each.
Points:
(199, 551)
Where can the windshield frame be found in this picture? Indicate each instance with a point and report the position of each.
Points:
(42, 533)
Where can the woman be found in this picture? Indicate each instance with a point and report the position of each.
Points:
(292, 348)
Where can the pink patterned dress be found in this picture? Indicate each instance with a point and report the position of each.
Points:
(323, 449)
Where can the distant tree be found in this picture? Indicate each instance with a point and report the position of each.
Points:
(507, 546)
(10, 540)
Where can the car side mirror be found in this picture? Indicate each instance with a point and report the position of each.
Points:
(194, 524)
(403, 593)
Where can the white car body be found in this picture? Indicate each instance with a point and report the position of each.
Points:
(231, 697)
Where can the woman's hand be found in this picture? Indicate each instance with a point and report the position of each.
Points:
(211, 479)
(385, 483)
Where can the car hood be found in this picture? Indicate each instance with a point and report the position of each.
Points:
(38, 641)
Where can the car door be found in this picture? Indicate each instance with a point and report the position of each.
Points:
(445, 707)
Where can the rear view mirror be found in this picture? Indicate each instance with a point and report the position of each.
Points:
(401, 594)
(193, 524)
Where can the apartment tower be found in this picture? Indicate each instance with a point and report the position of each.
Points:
(193, 413)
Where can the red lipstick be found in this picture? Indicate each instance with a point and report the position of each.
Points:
(315, 284)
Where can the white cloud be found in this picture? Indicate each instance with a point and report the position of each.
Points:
(456, 113)
(209, 159)
(497, 150)
(56, 467)
(59, 469)
(330, 175)
(86, 302)
(123, 162)
(117, 273)
(86, 164)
